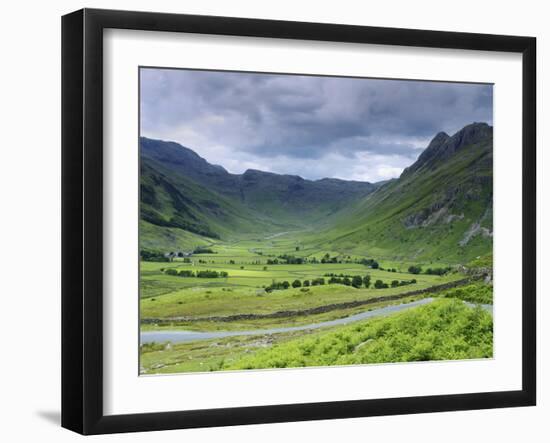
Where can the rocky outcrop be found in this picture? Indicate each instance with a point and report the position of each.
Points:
(443, 146)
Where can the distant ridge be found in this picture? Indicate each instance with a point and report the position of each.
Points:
(289, 198)
(440, 208)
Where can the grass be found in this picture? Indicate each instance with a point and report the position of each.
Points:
(165, 296)
(172, 297)
(375, 226)
(443, 330)
(267, 323)
(474, 293)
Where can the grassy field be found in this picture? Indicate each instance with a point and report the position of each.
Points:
(176, 302)
(443, 330)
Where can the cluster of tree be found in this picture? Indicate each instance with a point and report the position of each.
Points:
(277, 285)
(211, 274)
(356, 281)
(379, 284)
(199, 274)
(295, 284)
(203, 250)
(370, 262)
(328, 259)
(396, 283)
(430, 271)
(291, 259)
(437, 271)
(153, 255)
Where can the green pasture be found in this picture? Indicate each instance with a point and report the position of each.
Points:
(446, 329)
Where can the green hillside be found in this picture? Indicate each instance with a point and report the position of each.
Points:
(177, 213)
(440, 209)
(286, 199)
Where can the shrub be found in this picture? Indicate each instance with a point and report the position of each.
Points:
(379, 284)
(296, 284)
(366, 280)
(441, 330)
(291, 260)
(437, 271)
(186, 273)
(153, 255)
(203, 250)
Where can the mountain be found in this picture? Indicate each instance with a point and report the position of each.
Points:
(288, 199)
(176, 211)
(440, 208)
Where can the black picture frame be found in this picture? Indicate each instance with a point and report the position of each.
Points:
(82, 218)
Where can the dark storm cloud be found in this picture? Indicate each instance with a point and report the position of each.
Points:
(274, 121)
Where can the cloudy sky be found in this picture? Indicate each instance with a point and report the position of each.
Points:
(315, 127)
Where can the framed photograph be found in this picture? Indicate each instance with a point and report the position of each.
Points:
(268, 221)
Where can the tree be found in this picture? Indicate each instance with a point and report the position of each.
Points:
(394, 283)
(366, 280)
(296, 284)
(286, 284)
(346, 281)
(356, 281)
(306, 283)
(415, 269)
(378, 284)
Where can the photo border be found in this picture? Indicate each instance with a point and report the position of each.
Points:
(82, 220)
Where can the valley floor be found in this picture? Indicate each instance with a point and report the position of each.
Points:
(231, 295)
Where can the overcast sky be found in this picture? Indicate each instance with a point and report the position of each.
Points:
(315, 127)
